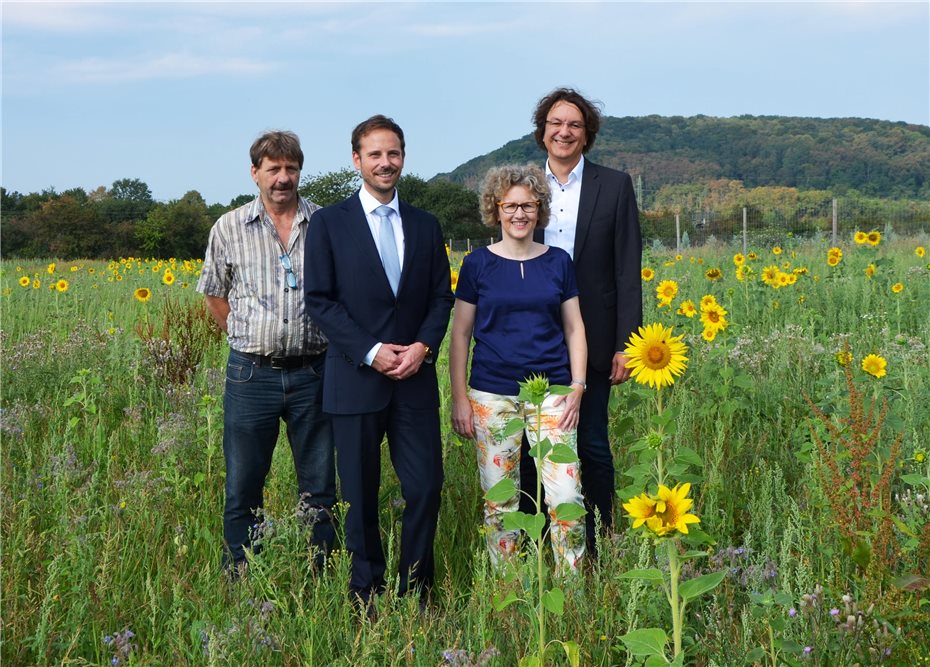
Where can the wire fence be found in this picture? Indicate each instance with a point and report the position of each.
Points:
(836, 220)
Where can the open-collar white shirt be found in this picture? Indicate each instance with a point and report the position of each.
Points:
(563, 208)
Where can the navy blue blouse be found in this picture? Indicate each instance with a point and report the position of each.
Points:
(518, 317)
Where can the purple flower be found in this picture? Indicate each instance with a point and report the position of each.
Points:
(792, 612)
(834, 612)
(808, 650)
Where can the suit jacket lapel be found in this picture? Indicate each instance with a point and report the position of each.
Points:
(590, 187)
(357, 223)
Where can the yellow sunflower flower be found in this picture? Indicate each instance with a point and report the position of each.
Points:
(640, 508)
(714, 317)
(874, 238)
(860, 237)
(897, 288)
(776, 250)
(687, 308)
(667, 290)
(752, 256)
(713, 274)
(656, 356)
(740, 273)
(739, 259)
(62, 285)
(24, 281)
(869, 271)
(647, 274)
(844, 357)
(167, 277)
(142, 294)
(770, 275)
(454, 278)
(833, 260)
(920, 251)
(36, 284)
(709, 335)
(708, 300)
(51, 268)
(874, 365)
(671, 510)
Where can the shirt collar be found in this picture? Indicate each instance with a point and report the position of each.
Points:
(575, 173)
(369, 203)
(257, 210)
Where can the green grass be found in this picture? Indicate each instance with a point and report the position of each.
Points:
(112, 485)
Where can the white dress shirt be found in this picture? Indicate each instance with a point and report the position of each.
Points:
(563, 208)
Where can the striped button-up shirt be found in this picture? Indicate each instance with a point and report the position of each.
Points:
(245, 265)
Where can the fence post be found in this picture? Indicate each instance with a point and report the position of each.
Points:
(834, 221)
(677, 235)
(745, 232)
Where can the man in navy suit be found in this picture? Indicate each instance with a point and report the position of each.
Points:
(594, 218)
(377, 280)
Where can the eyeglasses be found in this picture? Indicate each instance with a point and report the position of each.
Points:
(574, 125)
(509, 207)
(288, 270)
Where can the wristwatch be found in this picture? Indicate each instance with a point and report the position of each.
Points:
(429, 353)
(580, 383)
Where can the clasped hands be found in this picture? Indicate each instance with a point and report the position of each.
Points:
(399, 362)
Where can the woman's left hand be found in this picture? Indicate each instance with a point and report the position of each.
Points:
(569, 419)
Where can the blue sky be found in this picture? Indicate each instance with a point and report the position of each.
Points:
(174, 93)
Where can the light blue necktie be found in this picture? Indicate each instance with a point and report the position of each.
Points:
(389, 255)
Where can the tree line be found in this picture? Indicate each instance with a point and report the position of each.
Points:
(124, 220)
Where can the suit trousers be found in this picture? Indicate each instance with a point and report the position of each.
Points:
(597, 464)
(415, 447)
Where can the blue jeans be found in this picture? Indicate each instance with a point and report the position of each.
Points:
(256, 399)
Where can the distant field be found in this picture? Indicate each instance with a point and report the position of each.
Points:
(112, 481)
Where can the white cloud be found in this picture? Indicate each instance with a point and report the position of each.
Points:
(168, 66)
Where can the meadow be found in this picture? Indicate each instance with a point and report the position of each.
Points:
(800, 421)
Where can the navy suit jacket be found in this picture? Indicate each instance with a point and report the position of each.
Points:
(350, 299)
(608, 259)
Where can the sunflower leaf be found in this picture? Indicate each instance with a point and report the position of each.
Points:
(513, 427)
(563, 454)
(554, 601)
(502, 491)
(699, 585)
(646, 641)
(569, 512)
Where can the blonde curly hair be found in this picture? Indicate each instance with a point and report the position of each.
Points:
(499, 180)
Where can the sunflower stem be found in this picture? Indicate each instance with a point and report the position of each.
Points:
(674, 572)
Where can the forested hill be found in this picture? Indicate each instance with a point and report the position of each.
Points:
(874, 157)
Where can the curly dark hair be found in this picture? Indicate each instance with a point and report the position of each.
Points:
(589, 110)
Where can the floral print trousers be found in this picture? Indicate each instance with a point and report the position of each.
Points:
(499, 457)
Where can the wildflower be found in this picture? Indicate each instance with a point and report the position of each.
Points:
(167, 277)
(920, 251)
(36, 284)
(454, 276)
(142, 294)
(655, 356)
(24, 281)
(833, 260)
(709, 335)
(834, 612)
(897, 288)
(740, 273)
(647, 274)
(752, 256)
(770, 275)
(844, 357)
(708, 300)
(51, 268)
(687, 308)
(874, 238)
(678, 258)
(920, 456)
(739, 259)
(874, 365)
(808, 650)
(860, 237)
(666, 291)
(869, 270)
(792, 612)
(62, 285)
(776, 250)
(713, 274)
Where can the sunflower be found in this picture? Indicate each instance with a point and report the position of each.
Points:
(791, 279)
(837, 252)
(647, 274)
(740, 273)
(36, 284)
(24, 281)
(776, 250)
(833, 260)
(678, 258)
(709, 335)
(687, 308)
(50, 268)
(713, 274)
(860, 237)
(739, 259)
(874, 238)
(770, 275)
(656, 356)
(874, 365)
(708, 300)
(142, 294)
(869, 270)
(167, 277)
(671, 510)
(844, 357)
(783, 278)
(714, 317)
(640, 508)
(454, 278)
(667, 290)
(920, 251)
(897, 288)
(752, 256)
(62, 285)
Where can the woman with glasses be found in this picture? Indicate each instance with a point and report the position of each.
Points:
(518, 299)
